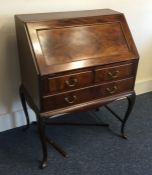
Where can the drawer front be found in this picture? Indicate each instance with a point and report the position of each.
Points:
(87, 94)
(115, 87)
(115, 72)
(68, 99)
(70, 82)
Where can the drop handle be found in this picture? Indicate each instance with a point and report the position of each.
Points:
(113, 74)
(70, 100)
(71, 83)
(112, 90)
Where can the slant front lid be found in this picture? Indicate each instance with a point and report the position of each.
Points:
(67, 44)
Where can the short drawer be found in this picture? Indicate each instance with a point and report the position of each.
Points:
(67, 99)
(115, 72)
(116, 87)
(70, 82)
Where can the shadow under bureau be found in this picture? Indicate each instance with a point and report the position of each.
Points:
(74, 61)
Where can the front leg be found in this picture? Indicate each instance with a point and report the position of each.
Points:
(131, 101)
(41, 131)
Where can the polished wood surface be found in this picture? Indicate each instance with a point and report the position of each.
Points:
(75, 61)
(70, 44)
(69, 81)
(79, 42)
(115, 72)
(87, 94)
(37, 17)
(71, 58)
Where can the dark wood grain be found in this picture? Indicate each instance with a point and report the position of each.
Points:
(74, 61)
(68, 53)
(73, 43)
(87, 94)
(28, 67)
(70, 81)
(37, 17)
(69, 44)
(115, 72)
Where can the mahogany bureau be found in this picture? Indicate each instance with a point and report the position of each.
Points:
(74, 61)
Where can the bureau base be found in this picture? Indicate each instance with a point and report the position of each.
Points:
(43, 121)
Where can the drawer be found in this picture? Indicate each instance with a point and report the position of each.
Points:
(115, 72)
(67, 99)
(69, 82)
(116, 87)
(86, 94)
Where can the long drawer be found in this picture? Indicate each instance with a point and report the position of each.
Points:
(86, 94)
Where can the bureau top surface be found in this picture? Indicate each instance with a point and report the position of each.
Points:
(63, 15)
(73, 40)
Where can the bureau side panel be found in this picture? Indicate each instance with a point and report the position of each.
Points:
(28, 68)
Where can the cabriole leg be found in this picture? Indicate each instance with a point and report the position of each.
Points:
(41, 131)
(23, 102)
(131, 101)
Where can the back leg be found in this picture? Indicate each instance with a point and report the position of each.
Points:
(24, 105)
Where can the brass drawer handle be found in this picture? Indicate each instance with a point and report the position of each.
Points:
(70, 101)
(113, 75)
(71, 83)
(112, 90)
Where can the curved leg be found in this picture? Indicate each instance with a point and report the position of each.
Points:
(131, 101)
(23, 101)
(41, 131)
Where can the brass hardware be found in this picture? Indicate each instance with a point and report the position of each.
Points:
(112, 90)
(70, 101)
(71, 83)
(113, 75)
